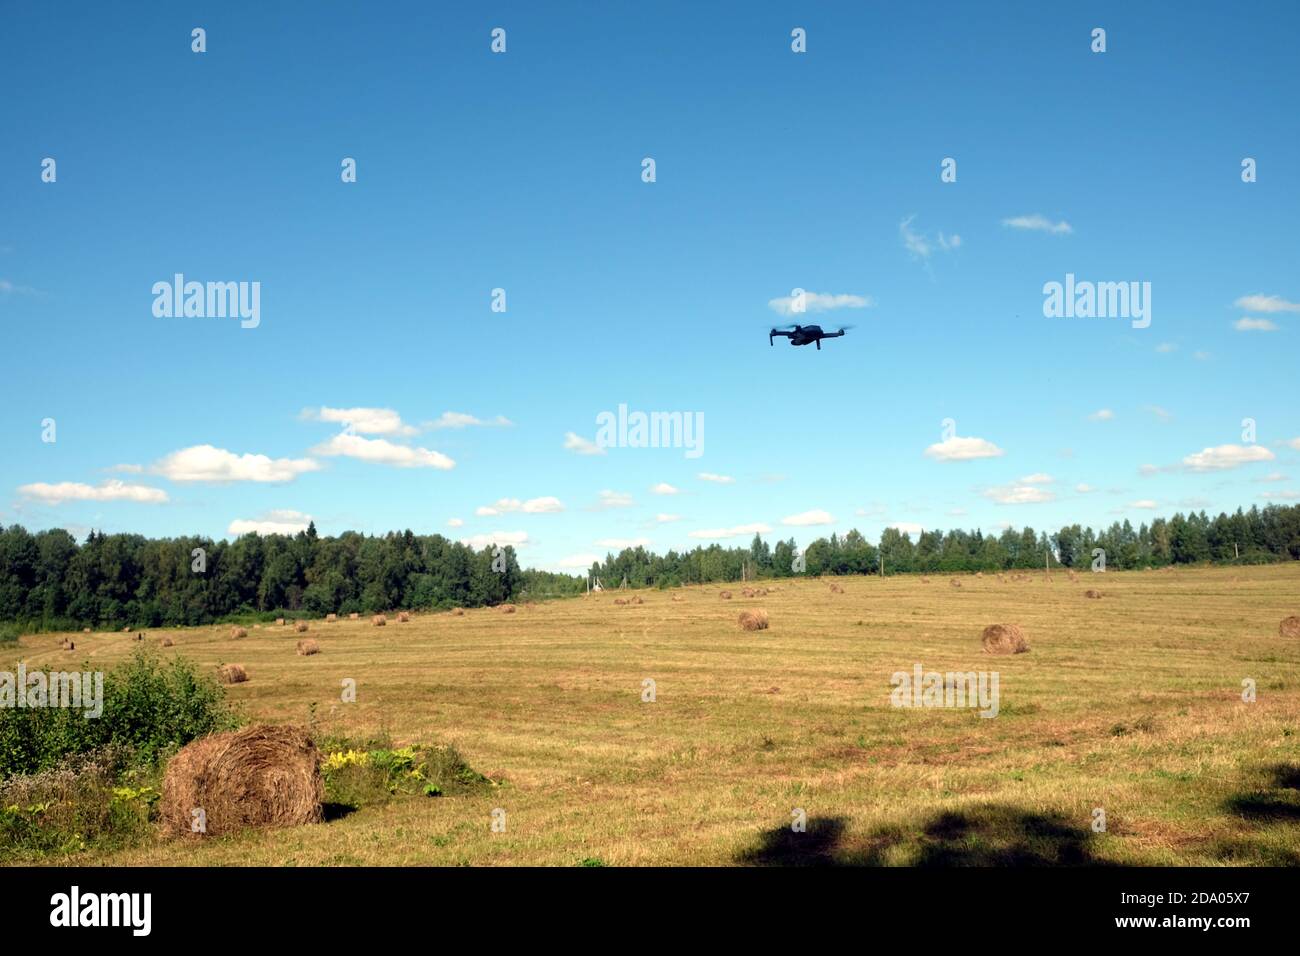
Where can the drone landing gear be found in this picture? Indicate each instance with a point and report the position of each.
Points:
(819, 345)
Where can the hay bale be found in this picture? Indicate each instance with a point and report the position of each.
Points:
(925, 580)
(955, 583)
(755, 620)
(67, 645)
(300, 627)
(507, 609)
(307, 647)
(403, 617)
(166, 642)
(330, 618)
(677, 598)
(725, 595)
(619, 601)
(279, 620)
(232, 674)
(1290, 626)
(458, 611)
(260, 776)
(836, 589)
(85, 630)
(635, 599)
(354, 616)
(237, 632)
(1004, 639)
(747, 592)
(1090, 593)
(379, 620)
(126, 630)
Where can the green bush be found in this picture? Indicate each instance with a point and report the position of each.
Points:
(9, 633)
(364, 777)
(150, 707)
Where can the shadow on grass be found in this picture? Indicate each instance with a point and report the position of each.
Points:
(1279, 803)
(989, 835)
(337, 811)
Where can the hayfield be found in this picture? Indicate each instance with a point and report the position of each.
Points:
(1131, 704)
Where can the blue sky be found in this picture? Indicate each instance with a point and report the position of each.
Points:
(522, 171)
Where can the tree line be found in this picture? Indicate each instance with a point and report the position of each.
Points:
(48, 581)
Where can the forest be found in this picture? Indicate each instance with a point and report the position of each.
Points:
(50, 582)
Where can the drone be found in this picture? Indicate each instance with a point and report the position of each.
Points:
(805, 334)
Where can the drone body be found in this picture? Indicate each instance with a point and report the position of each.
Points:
(804, 334)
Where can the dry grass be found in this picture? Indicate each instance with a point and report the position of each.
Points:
(1133, 704)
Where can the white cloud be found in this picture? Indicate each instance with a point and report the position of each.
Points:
(907, 527)
(1200, 356)
(1273, 476)
(1247, 324)
(1161, 413)
(949, 243)
(737, 531)
(1102, 415)
(963, 449)
(874, 511)
(533, 506)
(1146, 471)
(1038, 478)
(1294, 443)
(1019, 494)
(366, 421)
(1084, 489)
(128, 469)
(273, 522)
(207, 463)
(1284, 495)
(1223, 457)
(579, 562)
(615, 499)
(806, 518)
(462, 420)
(618, 544)
(113, 490)
(1166, 347)
(380, 451)
(480, 541)
(1145, 504)
(1038, 223)
(1266, 303)
(716, 479)
(820, 302)
(580, 445)
(663, 488)
(919, 245)
(455, 523)
(663, 518)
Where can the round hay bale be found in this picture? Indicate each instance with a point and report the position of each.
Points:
(331, 617)
(955, 583)
(403, 617)
(232, 674)
(166, 642)
(677, 598)
(354, 616)
(300, 627)
(458, 611)
(925, 580)
(755, 620)
(1004, 639)
(725, 595)
(85, 630)
(1090, 593)
(619, 601)
(1289, 627)
(379, 620)
(836, 589)
(126, 630)
(307, 647)
(507, 609)
(636, 599)
(260, 776)
(279, 620)
(237, 632)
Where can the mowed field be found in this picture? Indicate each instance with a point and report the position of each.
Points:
(1131, 704)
